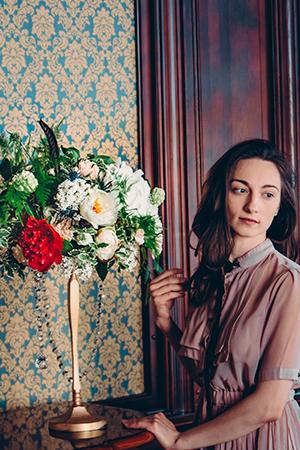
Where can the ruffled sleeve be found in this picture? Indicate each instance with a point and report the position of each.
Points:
(281, 336)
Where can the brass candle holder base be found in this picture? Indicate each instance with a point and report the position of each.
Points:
(77, 419)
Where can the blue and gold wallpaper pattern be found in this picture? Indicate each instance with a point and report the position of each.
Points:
(72, 61)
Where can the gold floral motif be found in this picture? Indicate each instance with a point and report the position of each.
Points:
(43, 25)
(16, 121)
(104, 26)
(75, 59)
(106, 90)
(46, 90)
(13, 58)
(78, 126)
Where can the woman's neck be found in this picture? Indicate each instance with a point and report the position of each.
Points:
(242, 245)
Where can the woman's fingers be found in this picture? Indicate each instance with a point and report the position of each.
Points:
(160, 417)
(166, 289)
(148, 422)
(144, 422)
(166, 297)
(166, 274)
(169, 283)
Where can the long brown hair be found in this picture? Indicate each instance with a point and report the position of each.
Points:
(211, 226)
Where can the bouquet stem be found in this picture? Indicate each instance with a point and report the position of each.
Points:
(77, 418)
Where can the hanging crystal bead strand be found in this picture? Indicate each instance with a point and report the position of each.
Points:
(96, 331)
(52, 342)
(41, 361)
(44, 316)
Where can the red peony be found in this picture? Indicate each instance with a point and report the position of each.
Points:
(41, 244)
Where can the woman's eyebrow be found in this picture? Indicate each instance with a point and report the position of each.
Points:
(247, 184)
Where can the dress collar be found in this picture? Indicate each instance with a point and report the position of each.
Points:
(255, 255)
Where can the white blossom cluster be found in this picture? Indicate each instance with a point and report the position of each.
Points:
(71, 194)
(104, 210)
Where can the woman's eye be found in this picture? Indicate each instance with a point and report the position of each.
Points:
(239, 190)
(268, 195)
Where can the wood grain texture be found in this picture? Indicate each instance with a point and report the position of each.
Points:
(210, 74)
(285, 39)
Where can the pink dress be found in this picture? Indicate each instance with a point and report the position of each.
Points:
(259, 339)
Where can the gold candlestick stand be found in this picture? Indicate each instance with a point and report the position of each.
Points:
(77, 418)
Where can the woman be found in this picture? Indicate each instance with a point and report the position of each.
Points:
(242, 340)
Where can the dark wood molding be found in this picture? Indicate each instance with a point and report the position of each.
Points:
(162, 143)
(168, 151)
(285, 38)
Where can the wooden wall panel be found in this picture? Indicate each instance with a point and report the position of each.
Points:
(232, 64)
(211, 73)
(285, 39)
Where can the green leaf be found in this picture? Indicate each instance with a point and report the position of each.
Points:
(98, 158)
(6, 169)
(67, 247)
(70, 155)
(157, 267)
(102, 270)
(110, 263)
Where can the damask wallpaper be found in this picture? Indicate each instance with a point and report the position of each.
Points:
(72, 61)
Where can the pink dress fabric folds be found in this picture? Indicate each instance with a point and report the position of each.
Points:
(258, 339)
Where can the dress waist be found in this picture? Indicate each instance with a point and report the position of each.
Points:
(226, 397)
(220, 400)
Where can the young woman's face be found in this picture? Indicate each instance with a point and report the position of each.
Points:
(253, 198)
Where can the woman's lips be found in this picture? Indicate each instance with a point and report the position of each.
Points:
(248, 220)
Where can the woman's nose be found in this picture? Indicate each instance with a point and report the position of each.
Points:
(252, 204)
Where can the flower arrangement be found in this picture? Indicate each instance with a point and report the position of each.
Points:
(80, 213)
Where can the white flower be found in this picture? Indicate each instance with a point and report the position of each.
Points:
(157, 196)
(158, 237)
(88, 169)
(70, 194)
(129, 256)
(100, 208)
(138, 199)
(84, 272)
(139, 236)
(84, 239)
(25, 182)
(106, 236)
(121, 171)
(70, 264)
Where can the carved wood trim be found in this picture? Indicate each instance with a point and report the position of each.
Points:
(285, 38)
(170, 157)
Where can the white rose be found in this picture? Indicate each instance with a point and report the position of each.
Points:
(140, 236)
(106, 236)
(122, 171)
(138, 199)
(100, 208)
(84, 239)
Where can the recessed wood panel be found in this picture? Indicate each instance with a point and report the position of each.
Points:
(232, 66)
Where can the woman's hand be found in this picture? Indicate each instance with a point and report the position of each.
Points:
(163, 430)
(164, 289)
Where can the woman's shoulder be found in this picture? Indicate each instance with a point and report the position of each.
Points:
(285, 279)
(286, 265)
